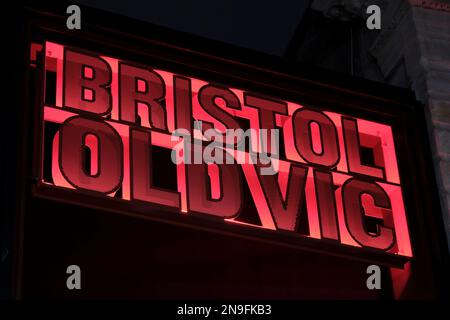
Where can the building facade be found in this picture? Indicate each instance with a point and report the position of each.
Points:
(382, 95)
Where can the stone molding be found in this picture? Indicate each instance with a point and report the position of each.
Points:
(342, 10)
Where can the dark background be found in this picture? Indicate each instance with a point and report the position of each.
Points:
(266, 26)
(124, 258)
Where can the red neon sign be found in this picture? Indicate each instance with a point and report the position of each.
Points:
(336, 172)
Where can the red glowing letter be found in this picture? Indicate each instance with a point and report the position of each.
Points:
(182, 103)
(140, 86)
(86, 82)
(200, 195)
(286, 212)
(326, 203)
(72, 145)
(351, 137)
(141, 172)
(267, 110)
(327, 154)
(352, 192)
(207, 98)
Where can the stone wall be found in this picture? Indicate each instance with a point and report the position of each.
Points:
(411, 50)
(433, 35)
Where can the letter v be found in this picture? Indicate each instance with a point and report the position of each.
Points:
(285, 209)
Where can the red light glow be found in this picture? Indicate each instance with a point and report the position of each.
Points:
(337, 172)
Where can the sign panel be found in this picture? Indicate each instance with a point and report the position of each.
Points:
(119, 130)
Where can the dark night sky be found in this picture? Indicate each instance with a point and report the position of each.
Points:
(265, 26)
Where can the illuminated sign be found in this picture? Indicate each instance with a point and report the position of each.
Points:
(105, 121)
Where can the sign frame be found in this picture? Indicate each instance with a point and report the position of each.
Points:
(247, 70)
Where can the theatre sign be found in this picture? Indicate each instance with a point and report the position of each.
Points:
(110, 128)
